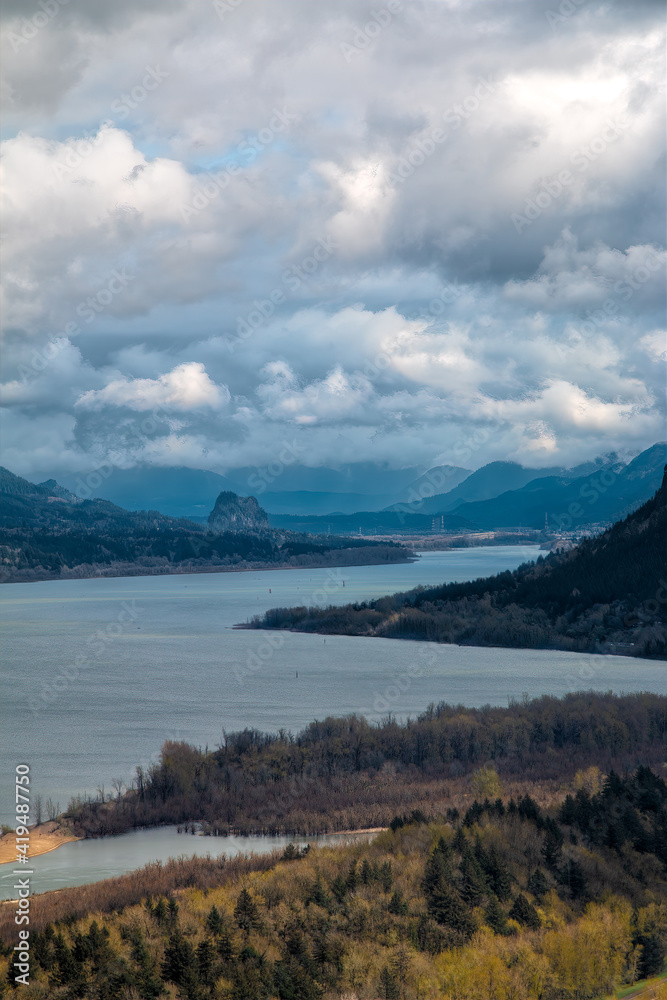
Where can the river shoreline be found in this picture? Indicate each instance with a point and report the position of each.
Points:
(43, 839)
(50, 836)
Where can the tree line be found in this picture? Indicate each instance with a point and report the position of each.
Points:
(341, 773)
(608, 594)
(503, 900)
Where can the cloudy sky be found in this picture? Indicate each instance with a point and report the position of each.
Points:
(405, 232)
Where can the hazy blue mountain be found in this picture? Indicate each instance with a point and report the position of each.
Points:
(439, 479)
(367, 478)
(178, 492)
(307, 502)
(494, 479)
(283, 488)
(489, 481)
(608, 494)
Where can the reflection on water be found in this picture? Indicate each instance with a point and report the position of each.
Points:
(86, 861)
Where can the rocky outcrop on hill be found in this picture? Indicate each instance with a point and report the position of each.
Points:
(238, 514)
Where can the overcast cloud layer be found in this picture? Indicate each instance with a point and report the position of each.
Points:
(415, 233)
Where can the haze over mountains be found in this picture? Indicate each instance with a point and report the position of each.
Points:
(508, 495)
(283, 488)
(376, 499)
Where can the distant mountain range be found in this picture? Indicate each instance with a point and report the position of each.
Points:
(367, 498)
(606, 594)
(47, 532)
(490, 481)
(507, 495)
(570, 501)
(281, 488)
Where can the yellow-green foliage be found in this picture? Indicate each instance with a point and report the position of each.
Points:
(486, 783)
(357, 948)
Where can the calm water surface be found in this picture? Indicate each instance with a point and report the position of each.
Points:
(85, 861)
(98, 673)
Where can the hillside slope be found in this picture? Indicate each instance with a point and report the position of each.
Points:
(48, 533)
(607, 494)
(499, 901)
(608, 594)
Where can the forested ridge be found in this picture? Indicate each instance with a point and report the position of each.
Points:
(47, 533)
(501, 901)
(608, 594)
(345, 773)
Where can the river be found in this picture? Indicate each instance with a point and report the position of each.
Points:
(99, 673)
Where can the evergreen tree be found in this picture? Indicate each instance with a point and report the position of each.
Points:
(494, 916)
(652, 956)
(525, 913)
(205, 958)
(366, 874)
(386, 876)
(149, 985)
(352, 878)
(473, 885)
(538, 884)
(225, 946)
(553, 843)
(439, 866)
(498, 874)
(460, 840)
(389, 988)
(245, 912)
(317, 893)
(66, 971)
(575, 879)
(179, 959)
(397, 904)
(339, 889)
(446, 907)
(214, 921)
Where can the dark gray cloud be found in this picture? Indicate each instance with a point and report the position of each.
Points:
(375, 227)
